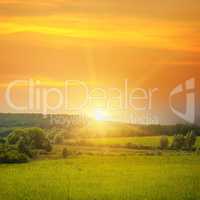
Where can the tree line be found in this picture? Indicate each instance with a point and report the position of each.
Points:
(8, 122)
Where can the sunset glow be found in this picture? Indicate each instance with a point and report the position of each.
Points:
(100, 43)
(100, 115)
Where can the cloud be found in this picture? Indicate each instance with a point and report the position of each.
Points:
(25, 8)
(134, 32)
(171, 9)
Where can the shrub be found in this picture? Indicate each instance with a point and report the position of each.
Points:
(65, 153)
(129, 145)
(24, 142)
(37, 138)
(190, 140)
(58, 139)
(198, 150)
(47, 146)
(184, 142)
(35, 153)
(164, 142)
(13, 156)
(23, 147)
(2, 140)
(178, 142)
(32, 138)
(15, 135)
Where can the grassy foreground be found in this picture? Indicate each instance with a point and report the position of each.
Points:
(103, 178)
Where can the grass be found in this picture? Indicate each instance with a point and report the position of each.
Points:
(103, 178)
(153, 141)
(146, 141)
(100, 172)
(198, 142)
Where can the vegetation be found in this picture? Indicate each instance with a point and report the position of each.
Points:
(65, 153)
(58, 139)
(73, 126)
(103, 177)
(2, 140)
(105, 160)
(164, 142)
(152, 141)
(186, 142)
(20, 145)
(10, 154)
(13, 156)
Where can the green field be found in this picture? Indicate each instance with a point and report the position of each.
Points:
(97, 170)
(103, 178)
(153, 141)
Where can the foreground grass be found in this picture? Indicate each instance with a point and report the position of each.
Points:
(103, 178)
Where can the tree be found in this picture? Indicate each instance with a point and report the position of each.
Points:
(37, 138)
(47, 145)
(21, 144)
(23, 147)
(29, 140)
(164, 142)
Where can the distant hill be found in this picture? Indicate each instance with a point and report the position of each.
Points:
(39, 120)
(86, 127)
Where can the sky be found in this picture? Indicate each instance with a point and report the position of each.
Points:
(152, 44)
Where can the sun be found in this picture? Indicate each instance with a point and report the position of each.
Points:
(100, 115)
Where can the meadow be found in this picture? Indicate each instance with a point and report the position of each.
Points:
(103, 178)
(100, 168)
(151, 141)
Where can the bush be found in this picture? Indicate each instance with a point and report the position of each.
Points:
(2, 140)
(178, 142)
(47, 146)
(15, 136)
(58, 139)
(37, 138)
(65, 153)
(164, 142)
(13, 156)
(198, 150)
(190, 140)
(23, 143)
(23, 147)
(32, 138)
(184, 142)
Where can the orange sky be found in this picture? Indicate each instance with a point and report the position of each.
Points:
(150, 43)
